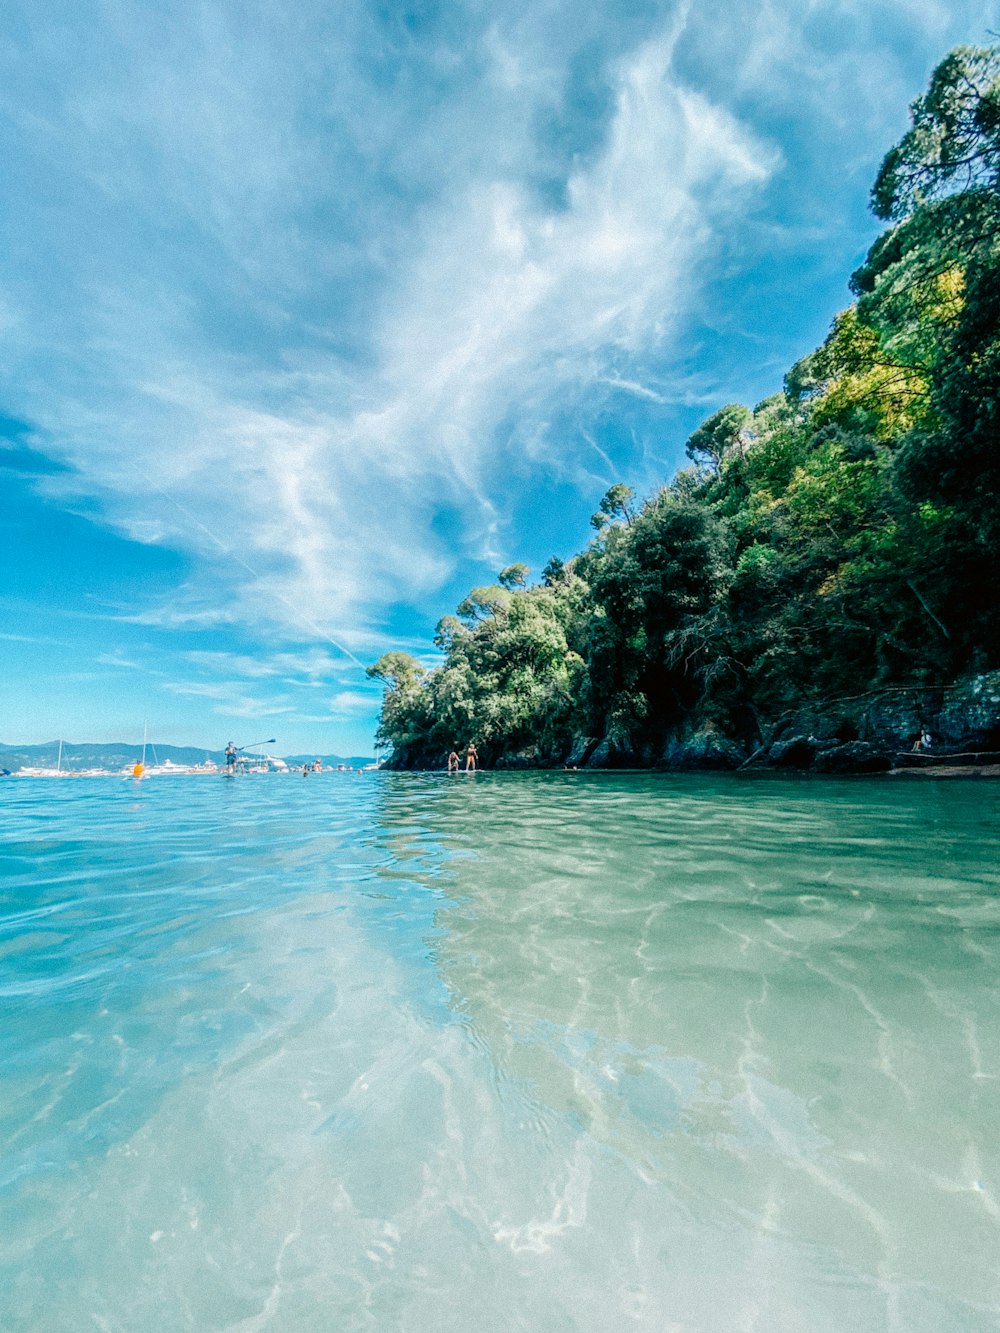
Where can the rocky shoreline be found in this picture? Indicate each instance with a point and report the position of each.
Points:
(872, 732)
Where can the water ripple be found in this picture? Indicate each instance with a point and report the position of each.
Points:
(512, 1051)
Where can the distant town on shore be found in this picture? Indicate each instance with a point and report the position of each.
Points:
(85, 757)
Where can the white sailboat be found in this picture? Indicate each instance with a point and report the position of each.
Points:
(57, 772)
(166, 768)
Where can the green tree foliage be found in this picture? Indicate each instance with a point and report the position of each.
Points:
(953, 145)
(839, 535)
(645, 581)
(616, 504)
(723, 431)
(483, 604)
(933, 280)
(405, 717)
(514, 576)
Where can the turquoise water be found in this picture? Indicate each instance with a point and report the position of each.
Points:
(530, 1051)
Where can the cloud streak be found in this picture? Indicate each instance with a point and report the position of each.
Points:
(321, 288)
(306, 476)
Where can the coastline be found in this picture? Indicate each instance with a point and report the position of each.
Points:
(866, 733)
(950, 771)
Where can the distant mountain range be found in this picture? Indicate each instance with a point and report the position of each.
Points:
(119, 754)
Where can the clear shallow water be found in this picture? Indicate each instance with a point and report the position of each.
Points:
(542, 1051)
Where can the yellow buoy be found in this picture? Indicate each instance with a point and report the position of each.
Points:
(137, 771)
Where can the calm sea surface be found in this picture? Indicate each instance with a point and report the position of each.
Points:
(505, 1052)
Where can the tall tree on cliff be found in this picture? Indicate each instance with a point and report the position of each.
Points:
(840, 535)
(940, 185)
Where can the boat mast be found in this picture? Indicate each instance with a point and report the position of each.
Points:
(59, 760)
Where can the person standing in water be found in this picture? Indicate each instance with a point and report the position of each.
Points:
(453, 762)
(230, 758)
(471, 755)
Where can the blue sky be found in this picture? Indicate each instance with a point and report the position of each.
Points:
(315, 315)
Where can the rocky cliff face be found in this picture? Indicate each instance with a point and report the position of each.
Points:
(874, 730)
(865, 733)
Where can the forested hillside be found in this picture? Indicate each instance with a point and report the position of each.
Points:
(838, 539)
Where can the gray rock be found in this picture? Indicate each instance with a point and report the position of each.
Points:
(583, 747)
(854, 757)
(528, 758)
(613, 754)
(796, 752)
(970, 714)
(706, 750)
(893, 721)
(601, 756)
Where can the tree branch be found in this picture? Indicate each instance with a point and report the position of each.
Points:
(923, 602)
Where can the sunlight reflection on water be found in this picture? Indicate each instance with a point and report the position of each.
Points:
(535, 1051)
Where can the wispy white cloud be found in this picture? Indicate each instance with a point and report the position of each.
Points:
(632, 387)
(305, 481)
(348, 702)
(306, 289)
(275, 685)
(230, 700)
(311, 664)
(119, 661)
(42, 640)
